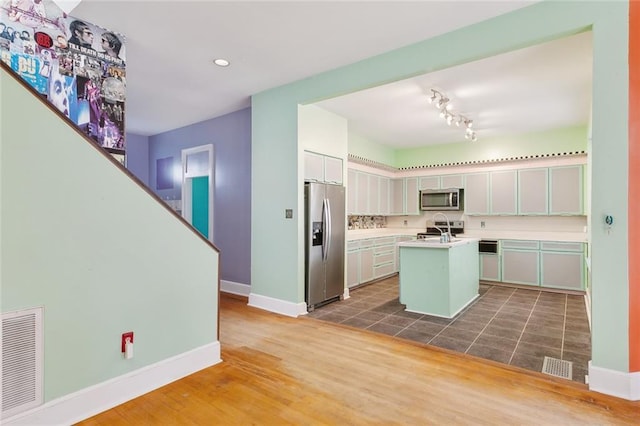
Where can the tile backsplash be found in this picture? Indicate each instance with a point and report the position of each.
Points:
(367, 222)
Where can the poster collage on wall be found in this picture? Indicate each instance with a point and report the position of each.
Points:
(78, 66)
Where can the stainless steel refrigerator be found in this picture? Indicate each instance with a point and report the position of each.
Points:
(324, 241)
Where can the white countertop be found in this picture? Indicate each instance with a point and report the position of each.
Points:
(574, 237)
(435, 243)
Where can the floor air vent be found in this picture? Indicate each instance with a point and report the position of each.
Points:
(21, 361)
(557, 367)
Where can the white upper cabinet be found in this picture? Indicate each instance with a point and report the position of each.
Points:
(412, 196)
(397, 196)
(476, 194)
(430, 182)
(362, 193)
(322, 168)
(368, 194)
(565, 190)
(352, 192)
(532, 191)
(503, 186)
(374, 195)
(451, 181)
(313, 167)
(383, 200)
(441, 182)
(333, 170)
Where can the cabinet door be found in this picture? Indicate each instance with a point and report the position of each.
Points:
(565, 190)
(374, 193)
(397, 196)
(352, 192)
(452, 181)
(383, 199)
(333, 170)
(366, 265)
(412, 196)
(490, 267)
(353, 268)
(476, 194)
(532, 191)
(313, 167)
(520, 266)
(503, 192)
(562, 270)
(430, 182)
(362, 200)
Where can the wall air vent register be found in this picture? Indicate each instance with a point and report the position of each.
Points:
(22, 351)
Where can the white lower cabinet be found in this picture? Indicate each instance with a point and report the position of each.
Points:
(353, 268)
(543, 263)
(366, 264)
(490, 267)
(372, 258)
(520, 266)
(384, 256)
(562, 265)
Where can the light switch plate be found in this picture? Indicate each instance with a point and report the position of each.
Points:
(288, 214)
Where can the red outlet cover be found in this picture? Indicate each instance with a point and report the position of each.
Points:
(125, 336)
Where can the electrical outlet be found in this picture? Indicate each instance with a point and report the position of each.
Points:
(125, 336)
(288, 214)
(405, 223)
(482, 224)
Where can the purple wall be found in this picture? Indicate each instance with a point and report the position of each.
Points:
(231, 137)
(137, 156)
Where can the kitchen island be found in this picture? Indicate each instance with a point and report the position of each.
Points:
(439, 278)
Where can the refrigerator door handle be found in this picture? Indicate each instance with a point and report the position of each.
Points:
(326, 224)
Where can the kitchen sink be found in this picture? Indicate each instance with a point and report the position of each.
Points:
(432, 240)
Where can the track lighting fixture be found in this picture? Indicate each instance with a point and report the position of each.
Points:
(443, 104)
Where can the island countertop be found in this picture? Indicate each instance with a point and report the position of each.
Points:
(435, 242)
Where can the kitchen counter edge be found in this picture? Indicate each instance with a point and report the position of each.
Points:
(574, 237)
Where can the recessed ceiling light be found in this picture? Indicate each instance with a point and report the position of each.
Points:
(221, 62)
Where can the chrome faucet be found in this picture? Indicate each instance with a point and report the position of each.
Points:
(445, 237)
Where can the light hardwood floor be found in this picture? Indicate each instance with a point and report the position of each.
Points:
(279, 370)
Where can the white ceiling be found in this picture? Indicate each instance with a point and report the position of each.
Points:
(170, 45)
(539, 88)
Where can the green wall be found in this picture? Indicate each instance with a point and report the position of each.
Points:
(572, 139)
(81, 239)
(277, 184)
(360, 146)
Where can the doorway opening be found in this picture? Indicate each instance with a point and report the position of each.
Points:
(198, 188)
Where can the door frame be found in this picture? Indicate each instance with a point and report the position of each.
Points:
(187, 175)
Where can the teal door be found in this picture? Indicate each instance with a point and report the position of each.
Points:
(200, 204)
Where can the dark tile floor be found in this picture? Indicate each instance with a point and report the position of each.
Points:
(510, 325)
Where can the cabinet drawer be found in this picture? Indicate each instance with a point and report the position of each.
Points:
(382, 270)
(384, 249)
(518, 244)
(366, 243)
(560, 246)
(385, 241)
(353, 245)
(379, 259)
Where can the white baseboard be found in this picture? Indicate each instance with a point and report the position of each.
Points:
(614, 383)
(345, 295)
(95, 399)
(278, 306)
(235, 288)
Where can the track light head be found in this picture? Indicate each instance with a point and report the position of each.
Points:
(445, 107)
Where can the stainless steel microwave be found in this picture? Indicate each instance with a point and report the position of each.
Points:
(442, 199)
